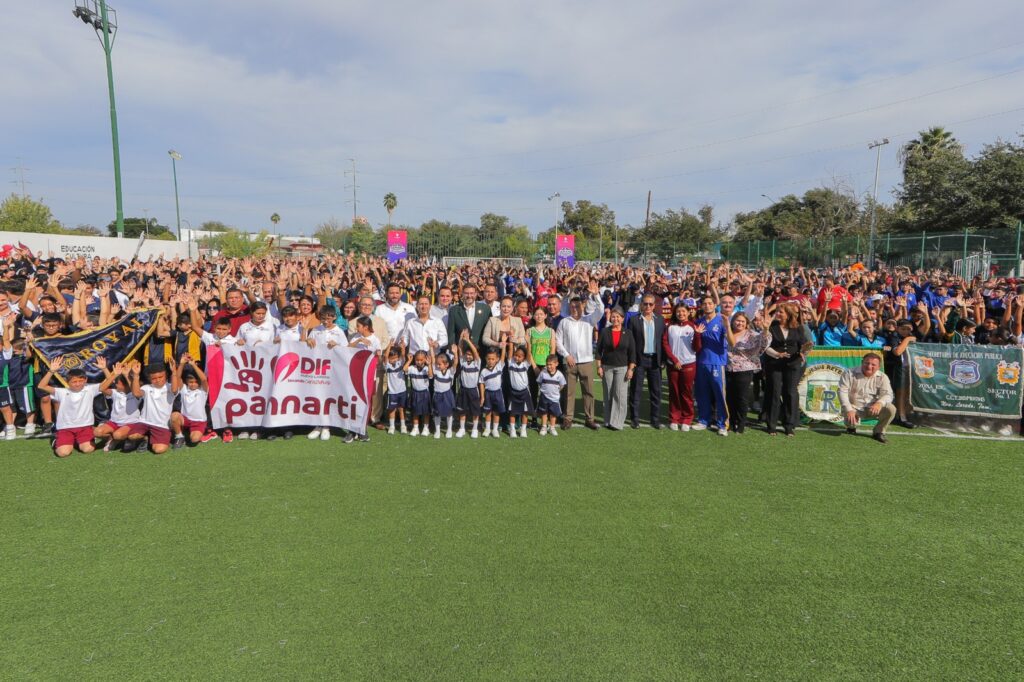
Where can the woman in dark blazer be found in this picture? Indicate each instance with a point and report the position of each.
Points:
(784, 366)
(616, 358)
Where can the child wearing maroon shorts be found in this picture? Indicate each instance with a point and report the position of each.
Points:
(158, 399)
(124, 407)
(75, 416)
(191, 416)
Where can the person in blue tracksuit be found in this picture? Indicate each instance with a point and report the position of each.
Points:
(709, 388)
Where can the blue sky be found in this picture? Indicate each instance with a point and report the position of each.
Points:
(465, 107)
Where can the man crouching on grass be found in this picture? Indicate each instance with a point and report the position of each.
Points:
(75, 416)
(865, 393)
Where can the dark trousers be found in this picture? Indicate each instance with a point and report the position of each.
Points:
(782, 384)
(737, 398)
(648, 369)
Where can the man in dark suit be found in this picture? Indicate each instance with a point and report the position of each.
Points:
(471, 315)
(647, 329)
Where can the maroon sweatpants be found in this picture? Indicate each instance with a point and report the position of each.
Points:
(680, 393)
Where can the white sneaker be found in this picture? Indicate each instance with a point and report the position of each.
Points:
(473, 434)
(543, 430)
(314, 434)
(10, 433)
(512, 432)
(325, 434)
(415, 431)
(391, 430)
(402, 429)
(487, 431)
(698, 426)
(553, 432)
(460, 434)
(1005, 430)
(684, 427)
(254, 435)
(437, 434)
(30, 428)
(244, 435)
(106, 447)
(673, 427)
(448, 434)
(522, 431)
(723, 432)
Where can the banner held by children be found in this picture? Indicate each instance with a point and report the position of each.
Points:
(291, 384)
(115, 342)
(966, 380)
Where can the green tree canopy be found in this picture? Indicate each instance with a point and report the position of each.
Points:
(133, 227)
(25, 214)
(214, 226)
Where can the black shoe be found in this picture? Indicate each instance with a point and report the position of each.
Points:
(179, 443)
(271, 436)
(349, 438)
(880, 437)
(288, 435)
(47, 431)
(130, 445)
(851, 430)
(635, 425)
(592, 425)
(904, 423)
(656, 426)
(363, 438)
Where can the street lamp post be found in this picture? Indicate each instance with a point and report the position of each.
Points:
(104, 20)
(145, 228)
(552, 198)
(877, 146)
(175, 158)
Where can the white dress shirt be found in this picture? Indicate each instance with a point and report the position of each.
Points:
(418, 334)
(395, 318)
(576, 337)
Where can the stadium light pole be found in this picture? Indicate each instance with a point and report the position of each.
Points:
(175, 158)
(877, 146)
(554, 196)
(103, 19)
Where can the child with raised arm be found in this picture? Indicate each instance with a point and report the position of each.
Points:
(394, 370)
(124, 408)
(155, 418)
(520, 403)
(75, 416)
(192, 395)
(17, 388)
(443, 401)
(468, 402)
(492, 400)
(418, 369)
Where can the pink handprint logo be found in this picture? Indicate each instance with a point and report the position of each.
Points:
(249, 372)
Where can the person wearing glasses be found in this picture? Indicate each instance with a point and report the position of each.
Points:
(647, 330)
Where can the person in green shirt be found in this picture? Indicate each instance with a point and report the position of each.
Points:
(540, 342)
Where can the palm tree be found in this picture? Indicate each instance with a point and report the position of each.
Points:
(390, 204)
(928, 144)
(274, 218)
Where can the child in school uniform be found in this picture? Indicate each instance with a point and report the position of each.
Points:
(492, 398)
(394, 370)
(75, 416)
(192, 395)
(551, 382)
(520, 404)
(443, 400)
(361, 336)
(124, 409)
(468, 401)
(17, 388)
(331, 335)
(290, 329)
(418, 370)
(158, 401)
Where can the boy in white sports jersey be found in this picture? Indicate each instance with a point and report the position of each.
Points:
(520, 403)
(468, 402)
(551, 383)
(75, 416)
(394, 370)
(192, 395)
(124, 407)
(290, 329)
(158, 395)
(492, 400)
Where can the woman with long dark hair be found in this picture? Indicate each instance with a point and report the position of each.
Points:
(784, 364)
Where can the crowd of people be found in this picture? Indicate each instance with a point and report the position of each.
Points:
(485, 349)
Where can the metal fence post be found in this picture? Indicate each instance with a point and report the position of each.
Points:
(923, 235)
(773, 252)
(1016, 265)
(965, 247)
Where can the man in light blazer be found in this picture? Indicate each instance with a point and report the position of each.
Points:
(647, 329)
(472, 315)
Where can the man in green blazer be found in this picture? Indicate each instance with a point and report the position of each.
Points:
(471, 315)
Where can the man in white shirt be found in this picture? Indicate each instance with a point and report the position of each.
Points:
(395, 312)
(444, 301)
(866, 393)
(423, 329)
(576, 346)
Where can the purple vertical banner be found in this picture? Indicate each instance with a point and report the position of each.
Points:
(565, 250)
(397, 240)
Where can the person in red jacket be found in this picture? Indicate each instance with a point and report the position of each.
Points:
(681, 343)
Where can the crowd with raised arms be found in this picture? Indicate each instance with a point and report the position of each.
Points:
(484, 349)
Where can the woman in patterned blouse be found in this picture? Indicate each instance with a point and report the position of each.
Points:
(745, 348)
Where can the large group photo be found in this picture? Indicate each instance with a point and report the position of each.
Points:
(373, 362)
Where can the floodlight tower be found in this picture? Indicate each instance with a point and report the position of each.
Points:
(103, 19)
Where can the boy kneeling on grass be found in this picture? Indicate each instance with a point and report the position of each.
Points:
(75, 416)
(192, 395)
(155, 415)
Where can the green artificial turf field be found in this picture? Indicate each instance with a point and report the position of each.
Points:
(643, 555)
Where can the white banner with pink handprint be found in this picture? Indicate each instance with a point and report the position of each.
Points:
(290, 384)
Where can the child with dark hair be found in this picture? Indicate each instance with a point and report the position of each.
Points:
(17, 390)
(75, 416)
(158, 394)
(124, 408)
(192, 394)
